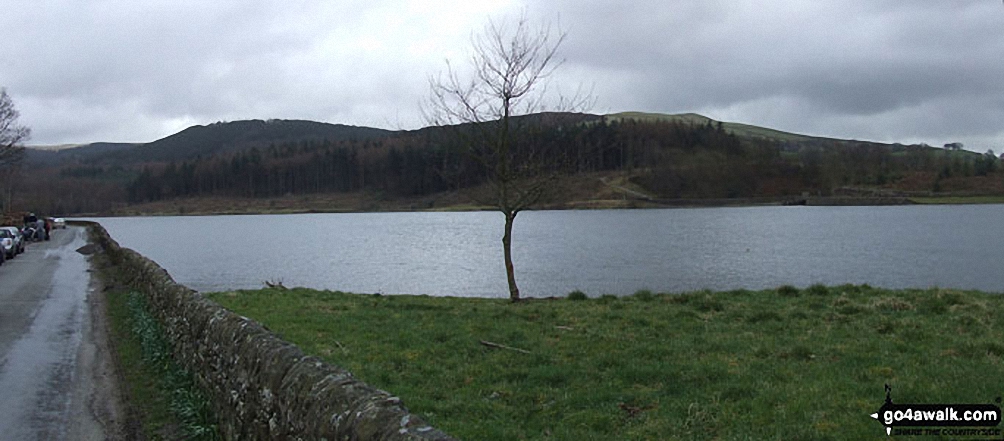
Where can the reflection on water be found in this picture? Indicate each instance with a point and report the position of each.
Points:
(598, 252)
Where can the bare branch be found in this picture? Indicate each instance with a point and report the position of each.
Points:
(490, 115)
(12, 135)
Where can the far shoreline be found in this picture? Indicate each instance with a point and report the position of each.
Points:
(320, 205)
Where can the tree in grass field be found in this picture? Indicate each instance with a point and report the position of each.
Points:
(485, 109)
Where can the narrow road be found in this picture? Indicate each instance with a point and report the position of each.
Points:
(56, 375)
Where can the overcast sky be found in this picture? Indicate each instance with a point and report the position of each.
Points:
(135, 71)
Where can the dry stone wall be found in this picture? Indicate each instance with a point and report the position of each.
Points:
(261, 387)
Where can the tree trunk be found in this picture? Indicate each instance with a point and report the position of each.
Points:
(507, 250)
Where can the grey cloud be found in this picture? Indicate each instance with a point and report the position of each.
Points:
(152, 62)
(879, 69)
(827, 61)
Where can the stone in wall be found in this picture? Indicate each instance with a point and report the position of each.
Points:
(262, 387)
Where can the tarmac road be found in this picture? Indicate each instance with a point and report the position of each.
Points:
(56, 376)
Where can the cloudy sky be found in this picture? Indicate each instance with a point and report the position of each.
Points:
(885, 70)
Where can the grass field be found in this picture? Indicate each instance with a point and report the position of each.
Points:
(778, 364)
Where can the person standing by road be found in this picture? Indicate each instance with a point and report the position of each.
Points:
(40, 231)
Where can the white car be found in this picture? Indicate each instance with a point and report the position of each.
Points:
(58, 222)
(18, 239)
(7, 244)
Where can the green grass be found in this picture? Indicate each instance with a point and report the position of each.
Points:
(799, 364)
(959, 200)
(188, 406)
(146, 403)
(160, 398)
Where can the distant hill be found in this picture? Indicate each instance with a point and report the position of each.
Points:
(741, 130)
(625, 156)
(56, 147)
(241, 135)
(77, 154)
(203, 141)
(208, 140)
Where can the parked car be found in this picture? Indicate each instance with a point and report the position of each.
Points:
(7, 244)
(58, 222)
(18, 239)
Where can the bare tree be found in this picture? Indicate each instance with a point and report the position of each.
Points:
(511, 63)
(12, 135)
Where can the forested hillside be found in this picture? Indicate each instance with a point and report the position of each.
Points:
(664, 158)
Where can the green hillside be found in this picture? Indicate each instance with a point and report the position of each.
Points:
(738, 129)
(626, 156)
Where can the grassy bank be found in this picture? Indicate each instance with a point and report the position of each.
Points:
(776, 364)
(959, 200)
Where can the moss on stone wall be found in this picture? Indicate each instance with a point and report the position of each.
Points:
(261, 387)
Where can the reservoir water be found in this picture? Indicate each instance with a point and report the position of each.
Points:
(598, 252)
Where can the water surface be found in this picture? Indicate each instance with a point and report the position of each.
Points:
(598, 252)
